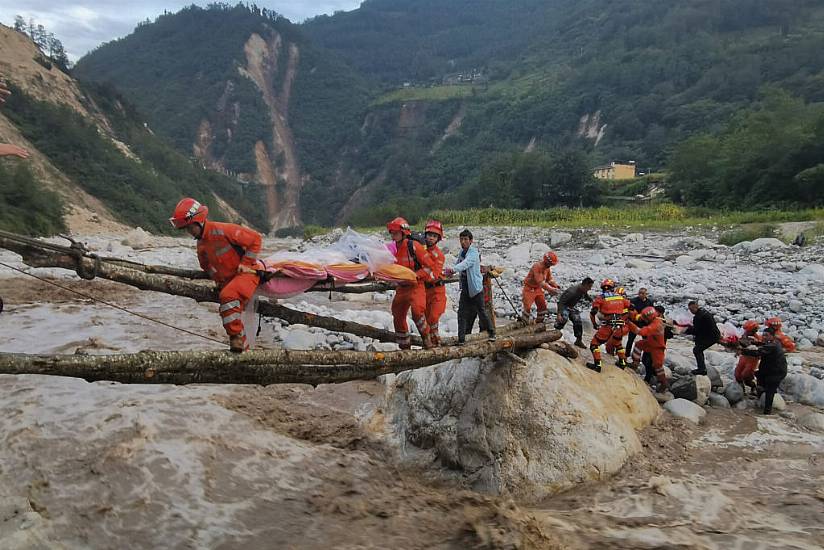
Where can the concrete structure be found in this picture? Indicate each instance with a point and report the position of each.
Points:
(615, 171)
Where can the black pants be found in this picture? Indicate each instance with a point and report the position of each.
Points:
(630, 340)
(646, 360)
(469, 308)
(698, 351)
(770, 389)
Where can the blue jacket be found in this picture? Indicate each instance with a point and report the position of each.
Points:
(470, 262)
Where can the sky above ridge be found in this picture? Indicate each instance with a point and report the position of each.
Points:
(85, 24)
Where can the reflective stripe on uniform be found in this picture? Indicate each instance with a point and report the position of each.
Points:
(230, 318)
(222, 251)
(229, 305)
(217, 232)
(250, 255)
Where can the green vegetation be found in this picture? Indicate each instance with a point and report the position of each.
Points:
(654, 216)
(770, 154)
(434, 93)
(141, 192)
(27, 207)
(676, 86)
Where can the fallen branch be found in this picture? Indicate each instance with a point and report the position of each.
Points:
(254, 367)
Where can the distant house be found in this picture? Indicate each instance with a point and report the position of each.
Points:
(615, 171)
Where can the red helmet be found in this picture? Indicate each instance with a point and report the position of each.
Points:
(649, 313)
(751, 325)
(607, 283)
(434, 226)
(399, 224)
(187, 212)
(774, 323)
(551, 258)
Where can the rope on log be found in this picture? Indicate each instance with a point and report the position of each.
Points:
(255, 367)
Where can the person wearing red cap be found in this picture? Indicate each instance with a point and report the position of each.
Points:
(539, 280)
(228, 253)
(435, 290)
(411, 254)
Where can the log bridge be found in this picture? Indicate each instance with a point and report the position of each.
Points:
(254, 367)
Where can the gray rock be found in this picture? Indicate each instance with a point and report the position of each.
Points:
(703, 387)
(812, 421)
(684, 260)
(635, 263)
(766, 243)
(682, 408)
(596, 259)
(715, 378)
(734, 393)
(300, 339)
(557, 238)
(820, 340)
(810, 334)
(718, 401)
(685, 388)
(805, 345)
(813, 272)
(796, 306)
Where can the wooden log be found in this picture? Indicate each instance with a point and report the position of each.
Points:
(255, 367)
(201, 291)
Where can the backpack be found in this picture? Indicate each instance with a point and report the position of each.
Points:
(417, 236)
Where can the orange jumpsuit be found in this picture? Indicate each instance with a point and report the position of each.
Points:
(747, 364)
(538, 280)
(220, 250)
(435, 293)
(654, 343)
(412, 296)
(614, 308)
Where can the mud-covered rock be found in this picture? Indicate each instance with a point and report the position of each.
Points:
(528, 430)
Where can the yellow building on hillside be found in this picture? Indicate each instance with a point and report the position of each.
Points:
(615, 171)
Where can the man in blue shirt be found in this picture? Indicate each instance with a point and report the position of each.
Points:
(471, 304)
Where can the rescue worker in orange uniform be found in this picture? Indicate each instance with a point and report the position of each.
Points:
(748, 364)
(539, 280)
(228, 253)
(786, 341)
(435, 290)
(654, 343)
(411, 254)
(613, 309)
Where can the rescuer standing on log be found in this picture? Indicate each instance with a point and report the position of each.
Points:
(228, 253)
(435, 290)
(412, 254)
(612, 307)
(539, 280)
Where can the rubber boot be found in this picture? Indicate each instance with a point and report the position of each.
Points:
(621, 363)
(491, 336)
(596, 366)
(580, 344)
(427, 341)
(435, 338)
(404, 342)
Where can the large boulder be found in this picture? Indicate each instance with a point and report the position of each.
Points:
(734, 392)
(528, 430)
(804, 388)
(520, 254)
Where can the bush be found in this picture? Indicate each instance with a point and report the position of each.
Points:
(25, 206)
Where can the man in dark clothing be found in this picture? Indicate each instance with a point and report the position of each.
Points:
(706, 334)
(637, 305)
(567, 309)
(773, 366)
